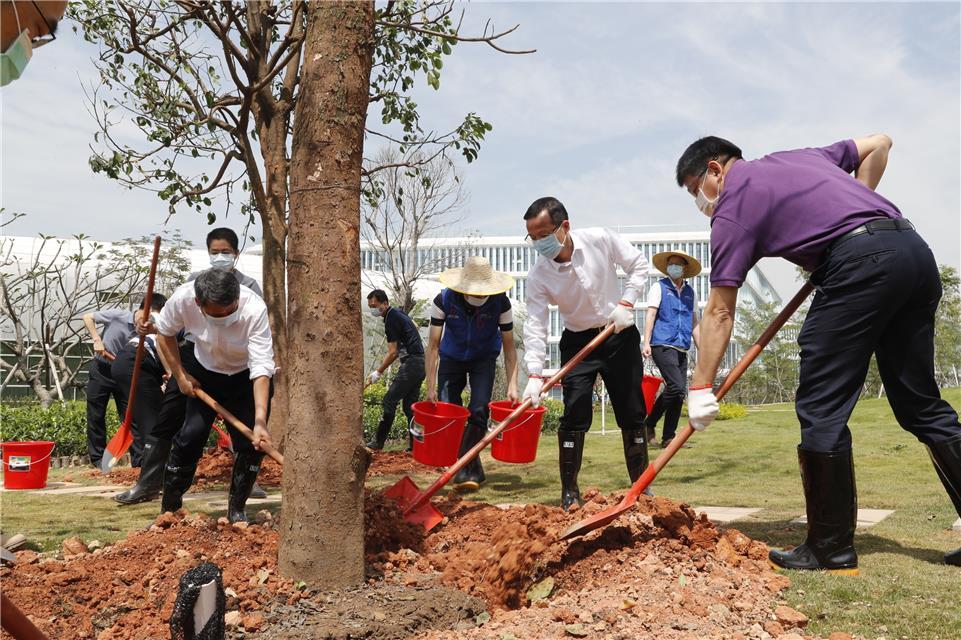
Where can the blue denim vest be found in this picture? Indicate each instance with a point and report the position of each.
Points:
(675, 316)
(468, 336)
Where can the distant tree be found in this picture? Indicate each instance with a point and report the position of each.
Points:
(947, 330)
(773, 377)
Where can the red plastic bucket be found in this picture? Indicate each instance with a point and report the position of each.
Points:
(649, 387)
(25, 464)
(437, 429)
(518, 442)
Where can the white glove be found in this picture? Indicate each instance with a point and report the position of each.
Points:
(702, 407)
(533, 390)
(622, 316)
(374, 376)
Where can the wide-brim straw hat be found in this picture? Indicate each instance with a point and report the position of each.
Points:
(476, 278)
(691, 269)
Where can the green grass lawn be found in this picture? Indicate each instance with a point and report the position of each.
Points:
(904, 591)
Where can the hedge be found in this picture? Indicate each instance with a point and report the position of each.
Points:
(65, 424)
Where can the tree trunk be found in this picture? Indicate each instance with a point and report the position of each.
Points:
(322, 527)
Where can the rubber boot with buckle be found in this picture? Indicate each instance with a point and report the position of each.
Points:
(832, 510)
(635, 454)
(151, 480)
(946, 457)
(242, 479)
(571, 451)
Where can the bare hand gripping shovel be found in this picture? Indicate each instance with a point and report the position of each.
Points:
(607, 516)
(416, 504)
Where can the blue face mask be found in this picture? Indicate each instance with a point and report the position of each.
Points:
(374, 311)
(548, 246)
(675, 271)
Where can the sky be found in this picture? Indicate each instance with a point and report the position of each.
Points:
(596, 117)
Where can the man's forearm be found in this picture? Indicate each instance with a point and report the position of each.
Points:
(649, 319)
(388, 360)
(261, 397)
(91, 328)
(715, 334)
(872, 167)
(168, 346)
(431, 364)
(510, 366)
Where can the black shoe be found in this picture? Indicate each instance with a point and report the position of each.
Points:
(151, 480)
(258, 492)
(651, 435)
(946, 457)
(571, 452)
(242, 479)
(376, 446)
(830, 493)
(472, 475)
(176, 482)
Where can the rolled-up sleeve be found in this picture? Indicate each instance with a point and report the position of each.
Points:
(634, 264)
(170, 320)
(260, 348)
(535, 330)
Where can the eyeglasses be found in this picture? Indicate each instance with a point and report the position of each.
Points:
(529, 240)
(39, 41)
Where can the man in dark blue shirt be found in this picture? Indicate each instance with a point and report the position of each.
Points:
(470, 322)
(403, 341)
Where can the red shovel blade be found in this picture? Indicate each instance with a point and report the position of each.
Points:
(608, 516)
(405, 492)
(117, 446)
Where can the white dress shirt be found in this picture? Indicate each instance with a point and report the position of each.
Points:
(585, 289)
(244, 344)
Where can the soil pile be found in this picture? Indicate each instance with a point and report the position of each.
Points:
(397, 463)
(213, 469)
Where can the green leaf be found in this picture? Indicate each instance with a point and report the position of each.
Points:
(541, 590)
(482, 618)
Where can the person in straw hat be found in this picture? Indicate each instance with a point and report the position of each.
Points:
(471, 320)
(670, 326)
(577, 271)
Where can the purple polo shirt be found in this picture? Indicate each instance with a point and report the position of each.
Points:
(789, 204)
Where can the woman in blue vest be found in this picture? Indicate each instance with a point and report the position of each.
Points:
(671, 325)
(470, 322)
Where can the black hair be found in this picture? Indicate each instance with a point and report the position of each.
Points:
(551, 205)
(157, 302)
(693, 161)
(378, 294)
(224, 233)
(217, 286)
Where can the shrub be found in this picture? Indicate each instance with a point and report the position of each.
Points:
(729, 411)
(65, 424)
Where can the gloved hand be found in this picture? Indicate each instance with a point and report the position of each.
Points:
(373, 377)
(702, 407)
(622, 316)
(533, 390)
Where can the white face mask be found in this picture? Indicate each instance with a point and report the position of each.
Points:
(701, 201)
(223, 261)
(475, 301)
(374, 311)
(225, 321)
(675, 271)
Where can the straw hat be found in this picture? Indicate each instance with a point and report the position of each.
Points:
(476, 278)
(691, 269)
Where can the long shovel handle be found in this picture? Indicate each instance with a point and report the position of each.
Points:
(429, 492)
(237, 424)
(733, 376)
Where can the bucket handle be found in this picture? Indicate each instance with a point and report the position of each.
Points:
(518, 425)
(32, 461)
(419, 435)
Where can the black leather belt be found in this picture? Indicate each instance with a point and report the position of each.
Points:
(882, 224)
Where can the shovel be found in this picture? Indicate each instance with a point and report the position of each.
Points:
(237, 424)
(416, 504)
(122, 440)
(607, 516)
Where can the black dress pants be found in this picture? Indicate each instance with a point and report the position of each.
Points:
(146, 406)
(672, 363)
(100, 387)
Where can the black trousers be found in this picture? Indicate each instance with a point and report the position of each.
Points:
(452, 379)
(173, 406)
(672, 363)
(146, 406)
(100, 387)
(404, 388)
(877, 293)
(618, 361)
(236, 394)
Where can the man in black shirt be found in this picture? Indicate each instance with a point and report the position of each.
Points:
(403, 341)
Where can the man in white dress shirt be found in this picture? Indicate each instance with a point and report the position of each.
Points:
(233, 361)
(577, 271)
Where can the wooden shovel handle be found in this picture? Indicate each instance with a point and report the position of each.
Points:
(237, 424)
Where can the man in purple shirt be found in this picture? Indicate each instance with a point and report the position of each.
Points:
(878, 288)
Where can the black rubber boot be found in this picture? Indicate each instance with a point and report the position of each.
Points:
(380, 438)
(472, 475)
(176, 482)
(832, 510)
(151, 480)
(946, 457)
(571, 445)
(635, 454)
(242, 479)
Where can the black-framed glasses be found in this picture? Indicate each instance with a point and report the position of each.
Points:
(39, 41)
(529, 240)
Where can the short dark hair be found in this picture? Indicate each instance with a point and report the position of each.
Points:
(157, 301)
(224, 233)
(553, 206)
(693, 161)
(378, 294)
(217, 286)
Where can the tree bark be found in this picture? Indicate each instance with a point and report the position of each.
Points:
(322, 524)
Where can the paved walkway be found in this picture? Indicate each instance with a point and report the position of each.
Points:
(866, 517)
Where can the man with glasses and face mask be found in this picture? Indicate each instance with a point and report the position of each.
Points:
(878, 289)
(25, 26)
(223, 247)
(577, 271)
(232, 360)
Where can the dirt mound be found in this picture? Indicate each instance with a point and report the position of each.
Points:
(397, 463)
(213, 469)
